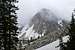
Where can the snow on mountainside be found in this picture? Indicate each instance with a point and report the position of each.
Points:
(22, 31)
(28, 33)
(52, 45)
(46, 21)
(43, 22)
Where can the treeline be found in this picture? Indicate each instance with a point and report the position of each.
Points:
(8, 22)
(70, 44)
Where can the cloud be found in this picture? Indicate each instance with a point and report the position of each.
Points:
(27, 8)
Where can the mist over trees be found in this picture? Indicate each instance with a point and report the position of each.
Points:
(9, 35)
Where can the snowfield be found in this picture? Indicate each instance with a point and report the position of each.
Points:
(27, 33)
(52, 45)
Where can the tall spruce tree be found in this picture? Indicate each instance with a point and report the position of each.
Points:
(61, 30)
(8, 28)
(71, 43)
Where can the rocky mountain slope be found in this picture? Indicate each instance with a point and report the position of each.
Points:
(45, 21)
(45, 25)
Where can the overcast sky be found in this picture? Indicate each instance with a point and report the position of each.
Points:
(27, 8)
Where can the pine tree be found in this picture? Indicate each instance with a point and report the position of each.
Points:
(72, 33)
(71, 42)
(1, 32)
(61, 30)
(8, 29)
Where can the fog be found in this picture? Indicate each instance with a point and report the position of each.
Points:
(28, 8)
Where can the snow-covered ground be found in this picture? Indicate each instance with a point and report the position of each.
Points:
(28, 32)
(52, 45)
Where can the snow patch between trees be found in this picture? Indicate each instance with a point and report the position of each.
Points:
(52, 45)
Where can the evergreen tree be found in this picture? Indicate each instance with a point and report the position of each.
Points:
(61, 31)
(71, 43)
(8, 22)
(1, 32)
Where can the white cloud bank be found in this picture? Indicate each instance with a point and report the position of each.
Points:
(27, 8)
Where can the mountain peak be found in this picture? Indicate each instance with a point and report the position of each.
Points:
(46, 14)
(45, 19)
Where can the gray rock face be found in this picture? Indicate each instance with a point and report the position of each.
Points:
(44, 20)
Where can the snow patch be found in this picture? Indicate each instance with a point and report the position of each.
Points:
(28, 33)
(52, 45)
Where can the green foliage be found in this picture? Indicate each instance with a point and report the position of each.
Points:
(8, 19)
(71, 42)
